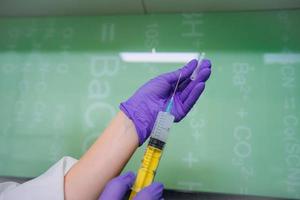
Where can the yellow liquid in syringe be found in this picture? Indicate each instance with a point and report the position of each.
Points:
(154, 149)
(147, 170)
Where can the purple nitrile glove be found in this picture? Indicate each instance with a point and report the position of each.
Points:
(143, 107)
(117, 188)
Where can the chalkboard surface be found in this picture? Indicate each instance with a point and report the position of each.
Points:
(62, 79)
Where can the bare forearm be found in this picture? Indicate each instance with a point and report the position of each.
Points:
(104, 160)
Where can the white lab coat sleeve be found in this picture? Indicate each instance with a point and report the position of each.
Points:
(49, 185)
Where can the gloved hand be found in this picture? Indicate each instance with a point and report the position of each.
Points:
(117, 188)
(143, 107)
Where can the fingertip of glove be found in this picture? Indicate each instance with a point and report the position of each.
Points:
(157, 189)
(191, 64)
(203, 75)
(128, 177)
(200, 86)
(193, 61)
(129, 174)
(206, 73)
(206, 63)
(187, 69)
(158, 184)
(153, 191)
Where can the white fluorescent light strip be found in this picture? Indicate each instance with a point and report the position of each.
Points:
(281, 58)
(161, 57)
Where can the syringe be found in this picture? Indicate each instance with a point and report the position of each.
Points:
(196, 71)
(155, 147)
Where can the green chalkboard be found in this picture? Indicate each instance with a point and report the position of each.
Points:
(62, 79)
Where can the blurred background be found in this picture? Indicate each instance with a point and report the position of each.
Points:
(66, 65)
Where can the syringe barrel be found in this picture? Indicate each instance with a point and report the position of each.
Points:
(147, 170)
(153, 152)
